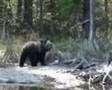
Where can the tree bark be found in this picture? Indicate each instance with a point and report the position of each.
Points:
(28, 12)
(52, 10)
(88, 25)
(92, 33)
(106, 18)
(86, 16)
(41, 15)
(19, 10)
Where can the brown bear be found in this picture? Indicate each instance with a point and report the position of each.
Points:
(35, 51)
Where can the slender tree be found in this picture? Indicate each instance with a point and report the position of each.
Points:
(28, 12)
(52, 11)
(92, 20)
(1, 8)
(19, 9)
(106, 17)
(41, 14)
(2, 19)
(86, 17)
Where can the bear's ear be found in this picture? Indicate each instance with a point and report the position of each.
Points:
(43, 41)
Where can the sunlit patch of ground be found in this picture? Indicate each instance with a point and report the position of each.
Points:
(107, 70)
(56, 77)
(15, 74)
(50, 75)
(62, 79)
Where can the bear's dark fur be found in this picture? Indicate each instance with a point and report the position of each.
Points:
(35, 51)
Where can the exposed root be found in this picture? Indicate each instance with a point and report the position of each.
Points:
(9, 57)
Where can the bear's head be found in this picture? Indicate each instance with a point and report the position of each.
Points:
(46, 44)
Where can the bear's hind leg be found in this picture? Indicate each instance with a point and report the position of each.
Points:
(22, 59)
(42, 61)
(33, 60)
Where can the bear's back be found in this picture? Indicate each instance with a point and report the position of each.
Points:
(32, 46)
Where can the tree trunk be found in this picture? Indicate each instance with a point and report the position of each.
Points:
(19, 10)
(1, 8)
(88, 19)
(86, 16)
(28, 12)
(52, 8)
(41, 15)
(106, 18)
(92, 20)
(1, 18)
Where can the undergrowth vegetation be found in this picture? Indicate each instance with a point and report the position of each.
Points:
(97, 49)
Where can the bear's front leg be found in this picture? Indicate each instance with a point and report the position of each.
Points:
(22, 59)
(42, 61)
(33, 60)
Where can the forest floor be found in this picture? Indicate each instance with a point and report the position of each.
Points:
(48, 77)
(56, 77)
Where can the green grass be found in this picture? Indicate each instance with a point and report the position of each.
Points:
(2, 45)
(82, 47)
(16, 45)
